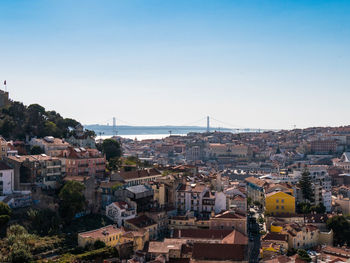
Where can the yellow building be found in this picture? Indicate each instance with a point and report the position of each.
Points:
(279, 203)
(159, 193)
(110, 235)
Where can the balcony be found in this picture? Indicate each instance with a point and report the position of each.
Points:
(83, 165)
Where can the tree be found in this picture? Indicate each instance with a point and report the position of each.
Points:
(18, 240)
(99, 244)
(341, 227)
(113, 163)
(305, 185)
(303, 255)
(111, 148)
(20, 254)
(5, 214)
(43, 222)
(319, 209)
(36, 150)
(304, 208)
(72, 200)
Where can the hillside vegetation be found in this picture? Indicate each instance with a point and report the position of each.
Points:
(19, 120)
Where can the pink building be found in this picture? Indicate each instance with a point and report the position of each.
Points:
(83, 162)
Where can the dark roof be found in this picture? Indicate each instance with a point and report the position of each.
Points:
(209, 251)
(201, 233)
(4, 166)
(141, 221)
(275, 236)
(139, 174)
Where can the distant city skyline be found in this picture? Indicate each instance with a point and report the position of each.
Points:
(253, 64)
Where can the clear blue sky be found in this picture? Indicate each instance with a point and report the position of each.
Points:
(262, 64)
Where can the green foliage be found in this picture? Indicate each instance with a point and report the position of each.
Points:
(111, 148)
(113, 163)
(105, 252)
(20, 254)
(72, 200)
(261, 220)
(249, 201)
(18, 120)
(341, 227)
(43, 222)
(36, 150)
(319, 209)
(17, 241)
(305, 185)
(257, 203)
(303, 208)
(303, 255)
(99, 244)
(5, 215)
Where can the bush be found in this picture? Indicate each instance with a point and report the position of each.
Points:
(20, 255)
(105, 252)
(99, 244)
(303, 255)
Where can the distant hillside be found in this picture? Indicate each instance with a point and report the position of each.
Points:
(18, 120)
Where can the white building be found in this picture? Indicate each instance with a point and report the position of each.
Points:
(343, 162)
(6, 179)
(119, 212)
(327, 200)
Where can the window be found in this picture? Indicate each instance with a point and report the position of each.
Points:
(277, 207)
(282, 201)
(0, 174)
(282, 207)
(277, 200)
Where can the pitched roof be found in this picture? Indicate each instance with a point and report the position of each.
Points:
(129, 175)
(102, 232)
(275, 237)
(141, 221)
(256, 181)
(236, 237)
(210, 251)
(231, 214)
(201, 233)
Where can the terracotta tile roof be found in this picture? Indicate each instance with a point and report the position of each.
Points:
(141, 221)
(102, 232)
(201, 233)
(256, 181)
(275, 237)
(32, 158)
(219, 252)
(231, 214)
(236, 237)
(129, 175)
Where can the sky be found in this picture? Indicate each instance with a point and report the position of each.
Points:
(252, 63)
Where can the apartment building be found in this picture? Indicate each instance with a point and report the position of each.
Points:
(50, 145)
(41, 170)
(279, 203)
(83, 162)
(6, 179)
(119, 212)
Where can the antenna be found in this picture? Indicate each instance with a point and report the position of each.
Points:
(170, 133)
(208, 124)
